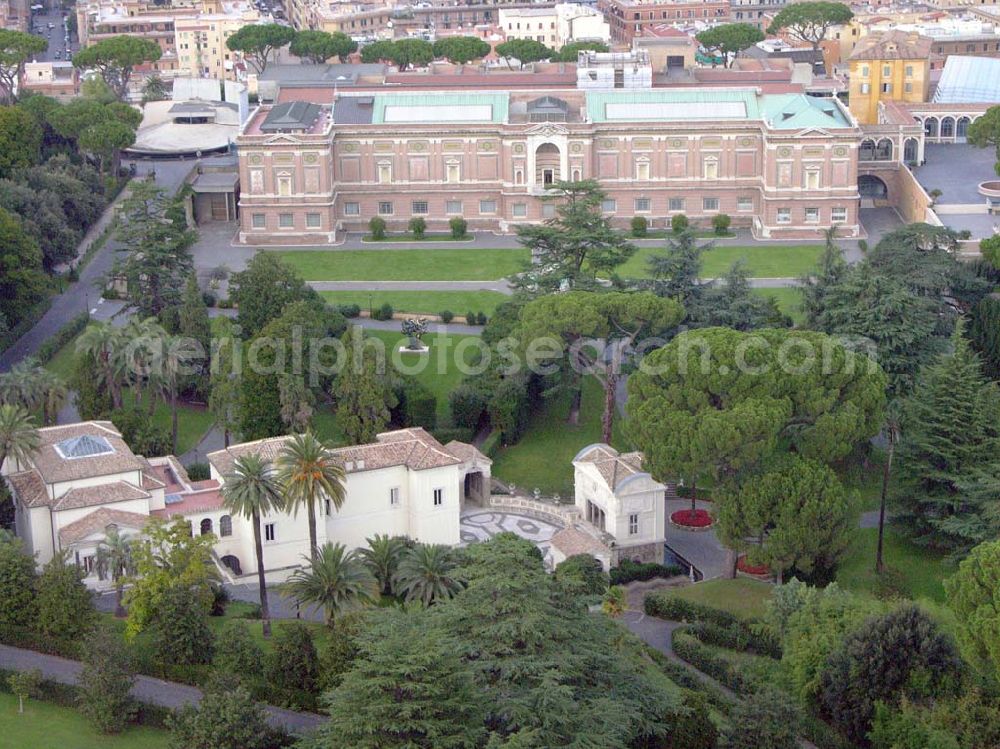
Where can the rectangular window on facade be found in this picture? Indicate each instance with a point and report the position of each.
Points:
(352, 209)
(519, 210)
(838, 215)
(438, 497)
(744, 204)
(327, 508)
(633, 525)
(886, 71)
(487, 206)
(608, 205)
(385, 173)
(711, 169)
(284, 186)
(385, 208)
(784, 215)
(286, 220)
(394, 496)
(909, 71)
(908, 87)
(865, 88)
(886, 88)
(812, 215)
(313, 220)
(709, 204)
(259, 221)
(419, 208)
(548, 210)
(453, 173)
(864, 71)
(270, 532)
(642, 205)
(812, 179)
(676, 204)
(642, 170)
(453, 206)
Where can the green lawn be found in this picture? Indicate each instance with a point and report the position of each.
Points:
(543, 457)
(421, 302)
(192, 422)
(742, 596)
(777, 261)
(431, 264)
(44, 726)
(916, 571)
(789, 301)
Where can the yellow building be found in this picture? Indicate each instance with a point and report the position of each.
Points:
(891, 66)
(201, 39)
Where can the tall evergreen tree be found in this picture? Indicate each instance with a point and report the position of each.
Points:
(363, 393)
(676, 273)
(951, 430)
(193, 314)
(984, 333)
(832, 269)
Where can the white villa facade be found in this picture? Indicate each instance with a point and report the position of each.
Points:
(85, 479)
(617, 497)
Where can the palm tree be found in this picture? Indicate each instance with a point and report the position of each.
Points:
(382, 558)
(20, 385)
(169, 359)
(18, 436)
(336, 579)
(114, 561)
(251, 491)
(53, 394)
(308, 472)
(104, 343)
(426, 574)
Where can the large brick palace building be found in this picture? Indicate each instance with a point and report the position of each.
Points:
(785, 165)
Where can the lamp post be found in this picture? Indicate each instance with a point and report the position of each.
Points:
(371, 308)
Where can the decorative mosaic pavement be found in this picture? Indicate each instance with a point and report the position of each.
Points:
(481, 525)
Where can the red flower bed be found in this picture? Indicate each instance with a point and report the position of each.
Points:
(750, 569)
(696, 519)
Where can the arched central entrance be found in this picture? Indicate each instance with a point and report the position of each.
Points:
(547, 164)
(871, 188)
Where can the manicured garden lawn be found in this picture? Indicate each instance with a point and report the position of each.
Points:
(543, 457)
(429, 264)
(421, 302)
(62, 363)
(916, 570)
(789, 301)
(44, 726)
(776, 261)
(743, 596)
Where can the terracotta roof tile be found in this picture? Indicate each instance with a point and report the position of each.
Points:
(53, 467)
(103, 494)
(98, 520)
(203, 499)
(572, 541)
(29, 488)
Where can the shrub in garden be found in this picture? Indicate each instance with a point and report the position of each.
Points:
(581, 575)
(293, 666)
(64, 603)
(348, 310)
(418, 227)
(384, 312)
(340, 650)
(376, 227)
(639, 226)
(226, 718)
(470, 318)
(468, 403)
(692, 727)
(24, 684)
(416, 404)
(720, 223)
(480, 318)
(628, 571)
(181, 635)
(664, 605)
(208, 298)
(105, 681)
(447, 316)
(236, 652)
(678, 223)
(458, 226)
(17, 583)
(990, 248)
(766, 720)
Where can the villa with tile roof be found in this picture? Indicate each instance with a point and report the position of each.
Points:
(617, 497)
(84, 479)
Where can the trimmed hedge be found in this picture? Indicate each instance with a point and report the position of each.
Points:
(27, 639)
(686, 679)
(746, 638)
(64, 335)
(663, 605)
(689, 648)
(629, 571)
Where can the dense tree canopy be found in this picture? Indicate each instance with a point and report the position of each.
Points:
(115, 58)
(20, 140)
(262, 290)
(524, 51)
(809, 21)
(461, 49)
(319, 46)
(16, 48)
(985, 131)
(571, 52)
(974, 595)
(259, 43)
(729, 39)
(22, 280)
(715, 401)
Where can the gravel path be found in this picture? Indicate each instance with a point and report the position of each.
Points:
(147, 689)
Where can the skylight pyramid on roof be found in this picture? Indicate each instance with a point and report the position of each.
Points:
(84, 446)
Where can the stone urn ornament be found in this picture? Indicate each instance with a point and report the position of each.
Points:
(414, 329)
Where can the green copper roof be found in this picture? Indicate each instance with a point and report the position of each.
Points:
(794, 111)
(667, 104)
(432, 108)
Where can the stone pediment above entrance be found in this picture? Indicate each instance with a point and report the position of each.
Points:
(280, 138)
(813, 132)
(547, 129)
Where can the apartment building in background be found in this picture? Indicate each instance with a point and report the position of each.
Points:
(629, 18)
(889, 66)
(556, 26)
